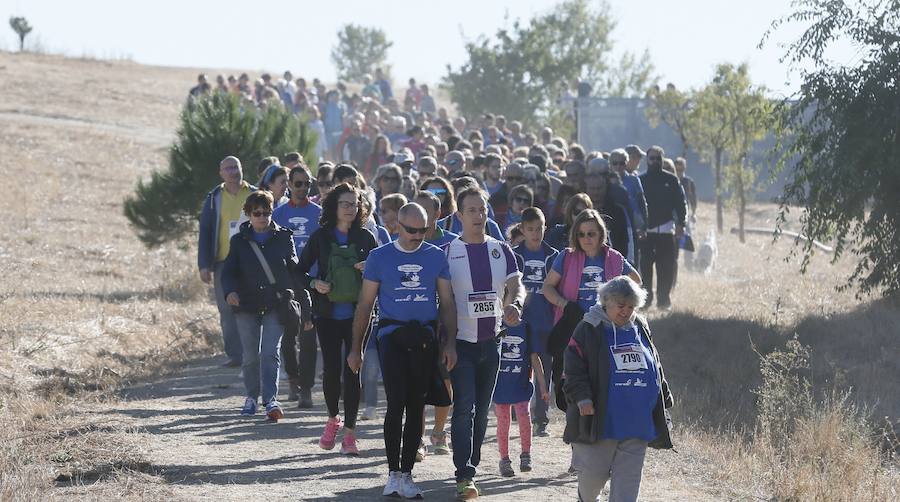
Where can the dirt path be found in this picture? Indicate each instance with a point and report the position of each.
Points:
(204, 450)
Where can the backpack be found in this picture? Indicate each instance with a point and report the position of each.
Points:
(345, 280)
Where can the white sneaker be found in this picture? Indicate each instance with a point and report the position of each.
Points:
(369, 414)
(394, 486)
(408, 489)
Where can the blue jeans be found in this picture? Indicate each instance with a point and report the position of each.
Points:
(473, 380)
(230, 335)
(371, 374)
(261, 338)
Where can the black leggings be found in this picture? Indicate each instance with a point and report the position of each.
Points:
(406, 375)
(335, 339)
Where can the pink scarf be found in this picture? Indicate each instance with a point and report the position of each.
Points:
(573, 265)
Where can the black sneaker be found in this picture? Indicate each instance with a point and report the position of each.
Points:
(231, 363)
(541, 430)
(305, 401)
(525, 462)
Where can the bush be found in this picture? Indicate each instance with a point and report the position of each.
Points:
(212, 127)
(810, 450)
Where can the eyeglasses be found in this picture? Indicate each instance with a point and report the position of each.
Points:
(261, 214)
(300, 184)
(345, 204)
(414, 230)
(591, 234)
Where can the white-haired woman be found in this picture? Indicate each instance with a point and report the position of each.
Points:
(616, 392)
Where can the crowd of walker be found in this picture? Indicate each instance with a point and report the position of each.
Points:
(463, 266)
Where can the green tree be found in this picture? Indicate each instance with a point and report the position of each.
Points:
(359, 50)
(22, 28)
(674, 108)
(712, 121)
(839, 139)
(752, 120)
(725, 119)
(212, 127)
(517, 72)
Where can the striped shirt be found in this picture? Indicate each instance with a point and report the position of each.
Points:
(478, 274)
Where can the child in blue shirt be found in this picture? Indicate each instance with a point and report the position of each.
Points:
(519, 360)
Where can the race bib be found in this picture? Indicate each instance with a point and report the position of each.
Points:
(483, 304)
(233, 227)
(629, 357)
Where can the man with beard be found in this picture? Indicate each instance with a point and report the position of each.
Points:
(666, 215)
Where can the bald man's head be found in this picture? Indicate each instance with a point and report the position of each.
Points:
(414, 214)
(230, 170)
(413, 225)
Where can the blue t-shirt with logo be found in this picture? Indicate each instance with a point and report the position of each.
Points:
(633, 386)
(301, 220)
(592, 276)
(537, 311)
(443, 237)
(514, 383)
(408, 282)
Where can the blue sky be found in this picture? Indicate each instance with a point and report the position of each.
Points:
(686, 38)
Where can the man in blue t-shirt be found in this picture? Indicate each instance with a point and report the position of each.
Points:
(407, 277)
(537, 256)
(298, 350)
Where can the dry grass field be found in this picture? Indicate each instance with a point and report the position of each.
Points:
(91, 321)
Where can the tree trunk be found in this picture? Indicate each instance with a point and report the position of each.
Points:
(21, 43)
(742, 204)
(719, 217)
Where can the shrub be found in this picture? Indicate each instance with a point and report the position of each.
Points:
(212, 127)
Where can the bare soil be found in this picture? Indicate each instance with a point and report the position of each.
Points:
(199, 444)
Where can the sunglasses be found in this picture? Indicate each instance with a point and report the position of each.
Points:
(414, 230)
(299, 184)
(591, 234)
(261, 214)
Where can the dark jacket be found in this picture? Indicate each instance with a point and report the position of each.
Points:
(244, 275)
(617, 223)
(587, 378)
(318, 250)
(556, 347)
(665, 198)
(500, 202)
(558, 236)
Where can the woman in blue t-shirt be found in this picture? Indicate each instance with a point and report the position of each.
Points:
(580, 269)
(616, 392)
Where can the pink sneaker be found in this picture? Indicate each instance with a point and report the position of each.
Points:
(326, 442)
(348, 445)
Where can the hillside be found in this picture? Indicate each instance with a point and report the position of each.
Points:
(108, 385)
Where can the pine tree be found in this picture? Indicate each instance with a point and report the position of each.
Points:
(167, 207)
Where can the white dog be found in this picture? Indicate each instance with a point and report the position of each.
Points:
(705, 258)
